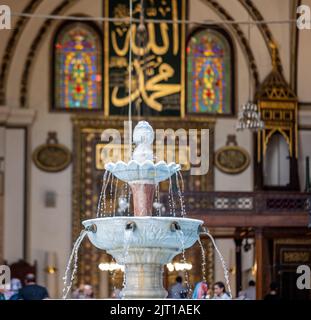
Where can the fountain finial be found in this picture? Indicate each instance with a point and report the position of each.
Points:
(142, 168)
(143, 137)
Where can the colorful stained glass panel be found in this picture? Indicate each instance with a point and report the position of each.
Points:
(77, 68)
(209, 73)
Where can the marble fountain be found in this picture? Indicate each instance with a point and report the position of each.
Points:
(142, 243)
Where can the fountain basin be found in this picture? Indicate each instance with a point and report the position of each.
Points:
(144, 245)
(150, 232)
(147, 171)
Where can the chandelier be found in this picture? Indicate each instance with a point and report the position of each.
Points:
(250, 118)
(178, 266)
(111, 266)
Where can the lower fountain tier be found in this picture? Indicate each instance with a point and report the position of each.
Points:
(144, 245)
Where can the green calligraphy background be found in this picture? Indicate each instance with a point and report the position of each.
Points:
(157, 63)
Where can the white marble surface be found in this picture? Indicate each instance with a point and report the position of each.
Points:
(147, 171)
(143, 250)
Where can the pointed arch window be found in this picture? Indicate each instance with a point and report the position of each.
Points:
(210, 72)
(77, 68)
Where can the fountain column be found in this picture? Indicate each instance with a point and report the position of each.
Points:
(144, 281)
(144, 271)
(143, 195)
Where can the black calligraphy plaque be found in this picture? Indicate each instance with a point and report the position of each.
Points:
(158, 59)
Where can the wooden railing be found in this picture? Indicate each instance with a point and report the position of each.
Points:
(245, 203)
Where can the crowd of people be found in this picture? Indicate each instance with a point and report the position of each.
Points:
(32, 291)
(218, 291)
(29, 291)
(202, 290)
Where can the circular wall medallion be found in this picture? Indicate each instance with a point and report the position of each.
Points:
(52, 156)
(232, 159)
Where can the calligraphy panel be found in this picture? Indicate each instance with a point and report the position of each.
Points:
(158, 70)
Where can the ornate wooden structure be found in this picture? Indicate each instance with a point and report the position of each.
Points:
(278, 105)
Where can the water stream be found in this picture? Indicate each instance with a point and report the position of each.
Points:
(158, 201)
(111, 197)
(101, 207)
(172, 198)
(69, 277)
(126, 244)
(223, 263)
(181, 238)
(115, 197)
(180, 191)
(203, 260)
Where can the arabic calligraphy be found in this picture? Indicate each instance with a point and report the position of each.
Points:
(151, 46)
(156, 67)
(153, 84)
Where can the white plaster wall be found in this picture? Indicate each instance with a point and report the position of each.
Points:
(304, 151)
(51, 227)
(278, 10)
(15, 6)
(18, 60)
(244, 180)
(14, 194)
(304, 64)
(254, 36)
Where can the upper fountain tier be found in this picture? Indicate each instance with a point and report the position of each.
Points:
(142, 169)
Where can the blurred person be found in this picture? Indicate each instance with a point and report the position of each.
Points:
(2, 296)
(31, 290)
(4, 289)
(177, 290)
(85, 291)
(250, 292)
(220, 291)
(88, 292)
(78, 293)
(273, 294)
(201, 291)
(116, 294)
(13, 292)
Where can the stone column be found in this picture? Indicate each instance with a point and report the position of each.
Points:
(263, 276)
(144, 271)
(144, 281)
(238, 265)
(2, 151)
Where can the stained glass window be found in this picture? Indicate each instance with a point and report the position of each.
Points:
(77, 68)
(210, 73)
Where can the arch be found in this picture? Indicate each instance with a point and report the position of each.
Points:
(34, 49)
(11, 46)
(280, 131)
(276, 164)
(210, 72)
(221, 11)
(62, 7)
(77, 67)
(253, 11)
